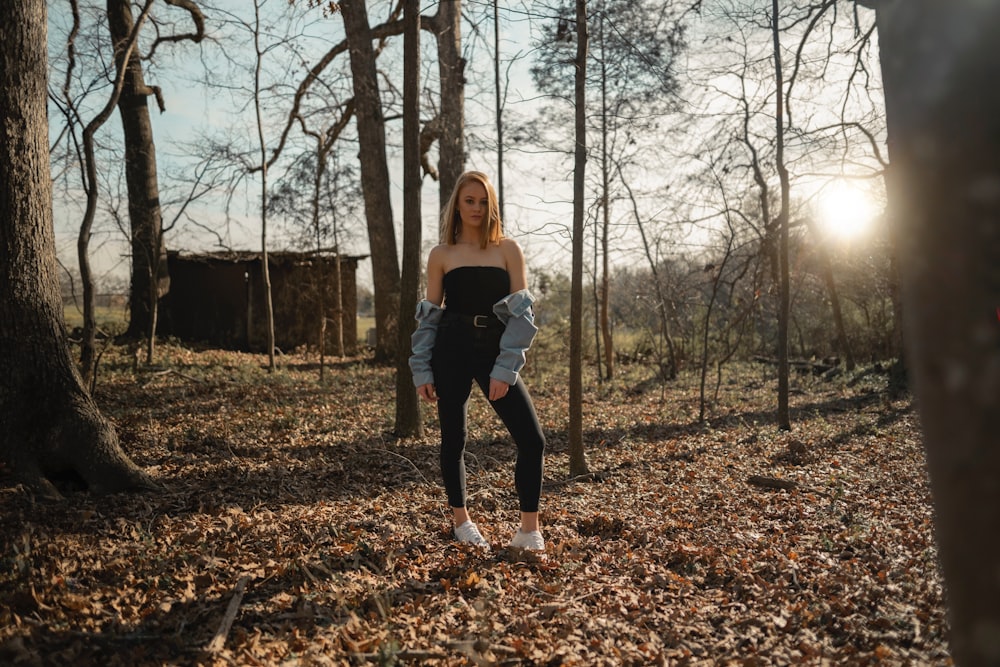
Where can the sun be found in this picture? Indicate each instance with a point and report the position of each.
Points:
(845, 209)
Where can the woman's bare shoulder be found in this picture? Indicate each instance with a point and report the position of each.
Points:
(508, 244)
(438, 252)
(511, 250)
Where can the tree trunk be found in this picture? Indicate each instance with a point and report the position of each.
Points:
(784, 286)
(826, 268)
(499, 100)
(898, 381)
(49, 424)
(408, 421)
(940, 68)
(609, 345)
(265, 262)
(149, 280)
(577, 456)
(451, 68)
(661, 298)
(374, 179)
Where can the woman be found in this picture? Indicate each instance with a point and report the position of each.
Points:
(475, 325)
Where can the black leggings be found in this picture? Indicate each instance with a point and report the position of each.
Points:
(463, 353)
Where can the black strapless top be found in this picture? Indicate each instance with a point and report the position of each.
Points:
(472, 290)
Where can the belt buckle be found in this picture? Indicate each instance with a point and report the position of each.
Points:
(475, 321)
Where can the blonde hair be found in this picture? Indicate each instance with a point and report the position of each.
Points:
(451, 221)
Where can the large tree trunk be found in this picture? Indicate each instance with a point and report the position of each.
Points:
(451, 68)
(149, 254)
(374, 178)
(940, 68)
(49, 424)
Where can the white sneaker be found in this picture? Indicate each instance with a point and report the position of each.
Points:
(532, 541)
(468, 532)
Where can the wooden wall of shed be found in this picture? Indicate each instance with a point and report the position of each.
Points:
(207, 303)
(222, 303)
(295, 295)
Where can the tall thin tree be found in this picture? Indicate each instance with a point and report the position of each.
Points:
(784, 287)
(577, 456)
(259, 51)
(408, 421)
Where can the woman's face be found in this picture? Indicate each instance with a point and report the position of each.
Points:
(473, 207)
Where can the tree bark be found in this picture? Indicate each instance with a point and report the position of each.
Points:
(451, 69)
(407, 404)
(374, 178)
(826, 269)
(784, 283)
(605, 293)
(49, 424)
(577, 456)
(149, 279)
(940, 66)
(265, 262)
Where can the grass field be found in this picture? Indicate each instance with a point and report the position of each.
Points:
(108, 317)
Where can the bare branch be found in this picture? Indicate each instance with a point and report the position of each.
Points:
(388, 29)
(199, 29)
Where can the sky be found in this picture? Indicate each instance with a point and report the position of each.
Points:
(196, 109)
(206, 97)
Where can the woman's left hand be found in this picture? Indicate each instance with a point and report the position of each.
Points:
(498, 389)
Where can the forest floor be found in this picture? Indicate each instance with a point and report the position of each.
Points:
(290, 510)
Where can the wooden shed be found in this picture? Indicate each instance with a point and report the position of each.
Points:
(219, 299)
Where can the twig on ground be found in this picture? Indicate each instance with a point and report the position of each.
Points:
(412, 464)
(170, 371)
(219, 640)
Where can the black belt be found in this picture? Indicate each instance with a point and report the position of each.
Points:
(477, 321)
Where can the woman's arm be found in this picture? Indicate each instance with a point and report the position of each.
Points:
(516, 268)
(435, 275)
(429, 314)
(519, 330)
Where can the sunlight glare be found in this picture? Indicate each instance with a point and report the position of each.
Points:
(846, 210)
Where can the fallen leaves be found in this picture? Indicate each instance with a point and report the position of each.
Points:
(295, 529)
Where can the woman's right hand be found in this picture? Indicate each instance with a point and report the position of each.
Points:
(426, 392)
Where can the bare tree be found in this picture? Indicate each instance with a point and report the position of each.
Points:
(49, 424)
(124, 50)
(150, 279)
(259, 52)
(408, 421)
(661, 298)
(781, 222)
(577, 456)
(374, 178)
(630, 83)
(325, 141)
